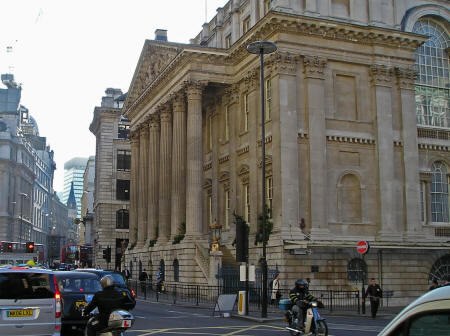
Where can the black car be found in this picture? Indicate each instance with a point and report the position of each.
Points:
(119, 280)
(77, 290)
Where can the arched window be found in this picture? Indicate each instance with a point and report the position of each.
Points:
(439, 193)
(349, 199)
(432, 85)
(356, 270)
(122, 219)
(176, 270)
(441, 269)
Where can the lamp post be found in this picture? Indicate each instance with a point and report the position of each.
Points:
(23, 195)
(261, 48)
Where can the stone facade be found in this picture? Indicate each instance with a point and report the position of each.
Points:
(345, 155)
(112, 175)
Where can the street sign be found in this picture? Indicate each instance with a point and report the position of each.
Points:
(363, 247)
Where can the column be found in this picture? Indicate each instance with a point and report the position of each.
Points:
(153, 178)
(406, 78)
(4, 186)
(134, 187)
(382, 82)
(165, 154)
(194, 161)
(178, 165)
(315, 94)
(142, 185)
(235, 22)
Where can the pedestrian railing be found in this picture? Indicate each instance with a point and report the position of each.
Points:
(205, 295)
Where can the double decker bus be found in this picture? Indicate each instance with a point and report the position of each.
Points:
(15, 253)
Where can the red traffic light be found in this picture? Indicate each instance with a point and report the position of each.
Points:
(30, 247)
(10, 247)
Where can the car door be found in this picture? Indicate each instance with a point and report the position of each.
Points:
(27, 304)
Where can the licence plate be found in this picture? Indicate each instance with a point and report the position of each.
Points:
(19, 313)
(80, 304)
(126, 324)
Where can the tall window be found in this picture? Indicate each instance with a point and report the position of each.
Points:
(228, 41)
(247, 203)
(246, 25)
(268, 114)
(269, 194)
(246, 112)
(439, 193)
(227, 123)
(123, 160)
(209, 209)
(226, 208)
(123, 131)
(422, 202)
(349, 199)
(122, 219)
(123, 190)
(176, 270)
(433, 82)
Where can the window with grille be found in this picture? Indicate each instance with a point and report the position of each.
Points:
(246, 25)
(246, 112)
(422, 202)
(433, 82)
(227, 208)
(123, 160)
(176, 270)
(247, 203)
(269, 194)
(122, 219)
(123, 131)
(439, 193)
(268, 114)
(356, 270)
(123, 190)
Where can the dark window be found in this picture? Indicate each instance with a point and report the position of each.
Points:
(176, 270)
(123, 160)
(123, 190)
(26, 286)
(356, 270)
(122, 219)
(438, 322)
(123, 131)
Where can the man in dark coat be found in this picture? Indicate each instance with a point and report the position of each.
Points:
(375, 294)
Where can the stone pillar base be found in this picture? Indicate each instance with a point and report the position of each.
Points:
(320, 234)
(413, 236)
(389, 236)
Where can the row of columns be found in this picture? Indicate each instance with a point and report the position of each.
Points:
(167, 165)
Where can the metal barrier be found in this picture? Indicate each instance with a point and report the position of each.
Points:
(205, 295)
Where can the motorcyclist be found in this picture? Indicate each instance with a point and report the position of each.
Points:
(107, 300)
(300, 298)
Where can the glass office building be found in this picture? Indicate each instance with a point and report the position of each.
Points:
(73, 172)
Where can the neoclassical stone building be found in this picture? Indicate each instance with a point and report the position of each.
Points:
(357, 143)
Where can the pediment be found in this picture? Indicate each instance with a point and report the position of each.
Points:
(155, 57)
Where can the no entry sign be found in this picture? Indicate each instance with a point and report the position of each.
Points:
(362, 247)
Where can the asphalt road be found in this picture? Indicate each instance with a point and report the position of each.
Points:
(164, 319)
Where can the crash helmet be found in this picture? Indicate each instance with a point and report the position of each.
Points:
(107, 281)
(301, 284)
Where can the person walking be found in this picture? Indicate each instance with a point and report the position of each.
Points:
(276, 293)
(375, 294)
(143, 277)
(126, 273)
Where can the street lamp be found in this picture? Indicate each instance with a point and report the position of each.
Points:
(23, 195)
(261, 48)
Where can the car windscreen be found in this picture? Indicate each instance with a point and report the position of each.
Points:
(118, 279)
(79, 285)
(26, 286)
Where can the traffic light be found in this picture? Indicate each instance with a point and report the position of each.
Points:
(9, 247)
(241, 241)
(30, 247)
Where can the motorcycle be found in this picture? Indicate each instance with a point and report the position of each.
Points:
(314, 324)
(119, 322)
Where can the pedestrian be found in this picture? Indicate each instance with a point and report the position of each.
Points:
(434, 285)
(374, 292)
(276, 293)
(126, 273)
(143, 277)
(160, 280)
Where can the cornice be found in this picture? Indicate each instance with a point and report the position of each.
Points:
(350, 139)
(431, 147)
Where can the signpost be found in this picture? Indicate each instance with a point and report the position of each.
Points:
(362, 247)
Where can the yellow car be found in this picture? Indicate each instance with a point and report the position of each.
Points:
(427, 315)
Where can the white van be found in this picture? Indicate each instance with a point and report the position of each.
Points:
(30, 302)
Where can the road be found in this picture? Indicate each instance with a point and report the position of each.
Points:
(164, 319)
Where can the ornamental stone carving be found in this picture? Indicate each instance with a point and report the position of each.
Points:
(282, 62)
(231, 95)
(194, 88)
(154, 122)
(251, 81)
(381, 74)
(314, 66)
(406, 77)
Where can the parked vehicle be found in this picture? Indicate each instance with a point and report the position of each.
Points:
(119, 322)
(314, 324)
(119, 280)
(77, 290)
(30, 298)
(427, 315)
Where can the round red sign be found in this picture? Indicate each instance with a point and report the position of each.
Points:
(362, 247)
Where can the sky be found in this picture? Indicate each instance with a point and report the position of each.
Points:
(66, 53)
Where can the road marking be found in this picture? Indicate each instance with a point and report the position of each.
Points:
(237, 331)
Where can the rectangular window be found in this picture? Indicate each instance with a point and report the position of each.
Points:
(227, 208)
(247, 203)
(246, 112)
(269, 194)
(268, 115)
(227, 123)
(422, 201)
(246, 25)
(123, 131)
(123, 160)
(228, 41)
(123, 190)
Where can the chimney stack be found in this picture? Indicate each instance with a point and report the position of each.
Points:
(161, 35)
